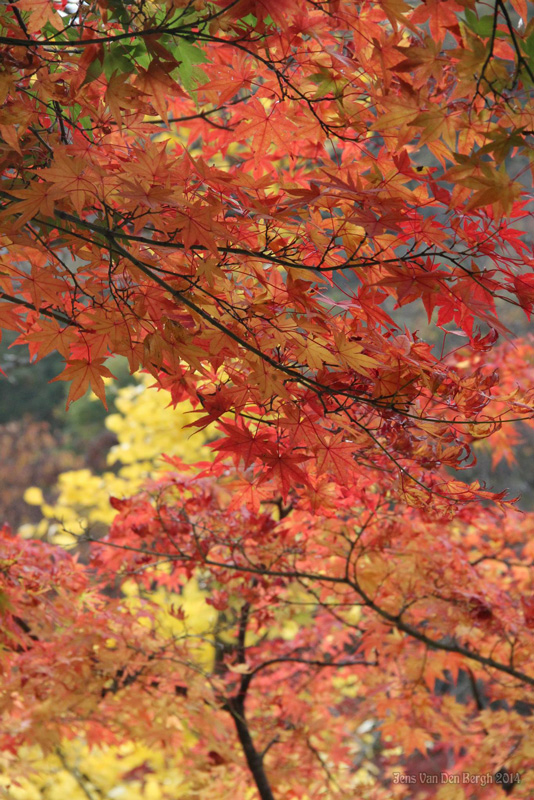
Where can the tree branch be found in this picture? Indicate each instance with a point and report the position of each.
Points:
(253, 758)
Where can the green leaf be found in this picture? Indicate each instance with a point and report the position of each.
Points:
(482, 26)
(84, 122)
(185, 51)
(528, 46)
(119, 58)
(94, 71)
(250, 21)
(87, 123)
(188, 57)
(117, 10)
(5, 603)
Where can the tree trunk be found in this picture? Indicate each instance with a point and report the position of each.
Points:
(254, 759)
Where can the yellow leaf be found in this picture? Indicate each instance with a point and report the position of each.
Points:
(241, 669)
(33, 496)
(352, 355)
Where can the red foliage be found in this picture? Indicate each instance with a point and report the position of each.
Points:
(188, 185)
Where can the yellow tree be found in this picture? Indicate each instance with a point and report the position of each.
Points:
(145, 426)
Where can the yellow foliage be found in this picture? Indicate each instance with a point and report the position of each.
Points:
(130, 771)
(33, 496)
(146, 426)
(198, 622)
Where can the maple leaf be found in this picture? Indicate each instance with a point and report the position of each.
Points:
(243, 444)
(158, 85)
(73, 177)
(247, 493)
(524, 288)
(336, 456)
(352, 355)
(265, 131)
(527, 604)
(120, 95)
(47, 337)
(284, 470)
(9, 317)
(40, 199)
(42, 12)
(85, 375)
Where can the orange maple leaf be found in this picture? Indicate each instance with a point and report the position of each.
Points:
(85, 375)
(336, 457)
(47, 337)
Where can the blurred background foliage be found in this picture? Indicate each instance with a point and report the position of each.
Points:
(125, 449)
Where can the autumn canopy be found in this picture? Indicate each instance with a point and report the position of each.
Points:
(246, 200)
